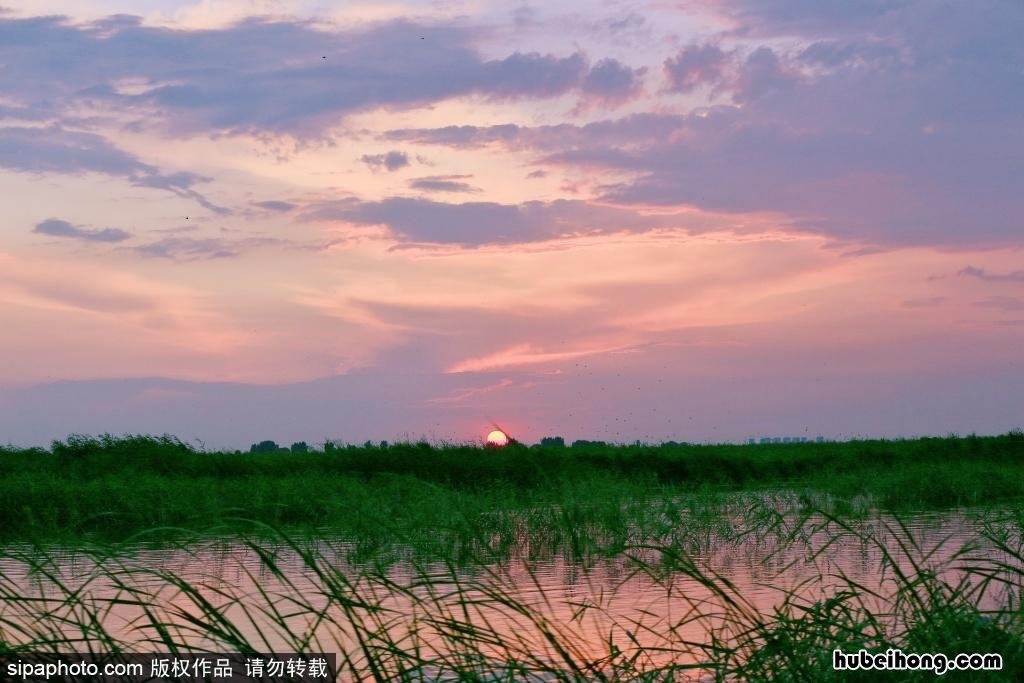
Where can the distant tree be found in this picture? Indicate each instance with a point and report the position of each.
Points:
(300, 447)
(556, 441)
(264, 447)
(583, 443)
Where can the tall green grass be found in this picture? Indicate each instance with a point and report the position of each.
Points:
(112, 487)
(440, 622)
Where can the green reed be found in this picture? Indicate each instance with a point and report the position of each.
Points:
(438, 621)
(111, 487)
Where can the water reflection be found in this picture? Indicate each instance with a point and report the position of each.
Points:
(661, 605)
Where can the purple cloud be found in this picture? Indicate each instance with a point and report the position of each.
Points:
(275, 205)
(479, 223)
(55, 227)
(763, 72)
(900, 134)
(200, 249)
(443, 183)
(53, 149)
(835, 53)
(180, 183)
(982, 274)
(278, 76)
(389, 161)
(695, 66)
(532, 74)
(630, 131)
(611, 82)
(802, 17)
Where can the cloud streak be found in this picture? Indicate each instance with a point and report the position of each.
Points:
(54, 149)
(480, 223)
(199, 249)
(982, 274)
(54, 227)
(443, 183)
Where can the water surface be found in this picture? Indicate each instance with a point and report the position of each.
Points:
(661, 605)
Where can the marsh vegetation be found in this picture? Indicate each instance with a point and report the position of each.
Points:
(112, 487)
(594, 562)
(767, 600)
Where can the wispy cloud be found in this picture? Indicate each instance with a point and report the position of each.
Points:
(479, 223)
(189, 249)
(275, 205)
(462, 396)
(443, 183)
(1002, 303)
(982, 274)
(55, 227)
(54, 149)
(523, 354)
(180, 184)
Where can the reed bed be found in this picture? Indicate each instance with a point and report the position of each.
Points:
(112, 487)
(438, 621)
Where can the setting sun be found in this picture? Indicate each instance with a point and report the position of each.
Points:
(497, 438)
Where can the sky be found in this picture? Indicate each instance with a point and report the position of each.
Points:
(702, 220)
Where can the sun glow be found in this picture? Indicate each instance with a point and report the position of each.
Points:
(497, 438)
